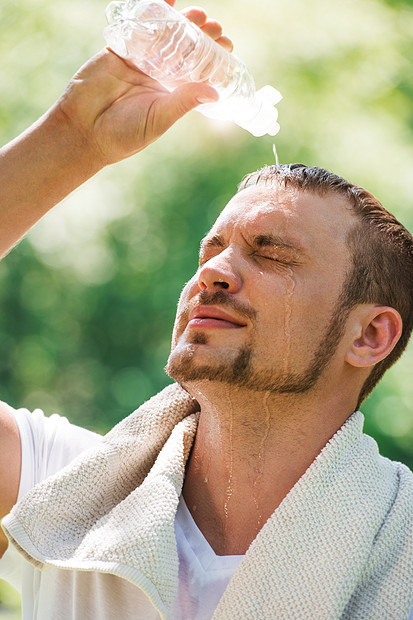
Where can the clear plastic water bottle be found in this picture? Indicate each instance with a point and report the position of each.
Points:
(169, 48)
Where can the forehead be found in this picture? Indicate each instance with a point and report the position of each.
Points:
(308, 221)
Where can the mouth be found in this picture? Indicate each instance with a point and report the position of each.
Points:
(210, 317)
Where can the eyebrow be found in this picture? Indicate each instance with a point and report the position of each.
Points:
(270, 240)
(216, 241)
(259, 241)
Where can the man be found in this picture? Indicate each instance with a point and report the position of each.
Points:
(257, 465)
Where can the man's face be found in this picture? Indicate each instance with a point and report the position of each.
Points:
(261, 311)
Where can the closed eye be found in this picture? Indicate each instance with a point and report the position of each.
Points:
(280, 261)
(279, 250)
(210, 247)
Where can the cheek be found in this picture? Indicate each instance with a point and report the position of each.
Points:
(282, 319)
(190, 289)
(309, 317)
(181, 319)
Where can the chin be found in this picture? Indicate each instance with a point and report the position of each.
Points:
(181, 365)
(185, 365)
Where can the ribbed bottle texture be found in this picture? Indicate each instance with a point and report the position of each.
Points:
(168, 47)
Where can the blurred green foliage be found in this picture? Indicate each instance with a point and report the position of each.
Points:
(88, 299)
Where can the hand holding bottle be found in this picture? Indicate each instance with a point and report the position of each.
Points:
(109, 111)
(121, 110)
(164, 44)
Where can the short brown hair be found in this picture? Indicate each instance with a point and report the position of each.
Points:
(381, 249)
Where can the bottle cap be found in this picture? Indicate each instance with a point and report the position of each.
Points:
(263, 120)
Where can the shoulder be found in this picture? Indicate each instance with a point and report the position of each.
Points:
(34, 446)
(9, 430)
(10, 455)
(387, 582)
(391, 479)
(10, 465)
(392, 548)
(48, 443)
(400, 513)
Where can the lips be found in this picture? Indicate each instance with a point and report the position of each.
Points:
(211, 317)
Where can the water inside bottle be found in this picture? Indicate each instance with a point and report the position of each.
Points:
(172, 50)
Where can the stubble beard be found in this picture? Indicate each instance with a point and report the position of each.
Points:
(183, 368)
(240, 371)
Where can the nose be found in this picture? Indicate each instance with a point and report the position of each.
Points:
(219, 273)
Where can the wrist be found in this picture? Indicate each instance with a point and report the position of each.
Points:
(71, 144)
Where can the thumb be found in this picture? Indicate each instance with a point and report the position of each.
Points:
(187, 97)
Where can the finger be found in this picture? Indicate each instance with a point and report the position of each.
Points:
(172, 107)
(225, 42)
(195, 14)
(192, 94)
(212, 28)
(183, 99)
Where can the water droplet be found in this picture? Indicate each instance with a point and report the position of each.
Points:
(289, 276)
(229, 490)
(260, 459)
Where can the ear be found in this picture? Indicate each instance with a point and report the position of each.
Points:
(378, 330)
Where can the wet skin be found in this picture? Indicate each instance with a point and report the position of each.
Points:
(279, 257)
(274, 262)
(262, 307)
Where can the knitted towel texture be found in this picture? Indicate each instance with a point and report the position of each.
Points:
(340, 545)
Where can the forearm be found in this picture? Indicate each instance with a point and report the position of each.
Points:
(37, 170)
(108, 112)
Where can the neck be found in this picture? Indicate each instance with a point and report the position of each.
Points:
(249, 451)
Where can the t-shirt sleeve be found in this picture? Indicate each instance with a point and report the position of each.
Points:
(48, 445)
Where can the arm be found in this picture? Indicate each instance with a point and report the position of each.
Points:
(10, 465)
(108, 112)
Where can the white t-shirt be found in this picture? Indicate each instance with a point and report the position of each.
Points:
(203, 575)
(50, 443)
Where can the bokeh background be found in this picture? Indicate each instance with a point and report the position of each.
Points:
(87, 300)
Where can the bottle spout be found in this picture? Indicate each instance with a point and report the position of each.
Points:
(264, 119)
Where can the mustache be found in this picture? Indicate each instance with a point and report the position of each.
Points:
(217, 298)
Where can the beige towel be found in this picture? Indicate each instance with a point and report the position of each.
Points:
(340, 545)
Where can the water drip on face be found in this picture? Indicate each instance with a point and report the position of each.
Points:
(260, 460)
(290, 286)
(229, 490)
